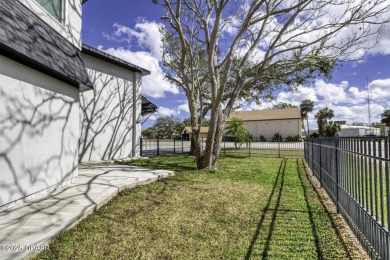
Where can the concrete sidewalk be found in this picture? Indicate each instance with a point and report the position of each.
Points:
(28, 226)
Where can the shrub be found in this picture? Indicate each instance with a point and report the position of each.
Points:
(295, 138)
(277, 137)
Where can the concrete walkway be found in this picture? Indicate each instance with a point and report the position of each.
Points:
(38, 222)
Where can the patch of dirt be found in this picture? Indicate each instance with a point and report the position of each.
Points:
(347, 236)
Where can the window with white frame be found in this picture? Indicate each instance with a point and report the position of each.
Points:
(53, 7)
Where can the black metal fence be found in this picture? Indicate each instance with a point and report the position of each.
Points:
(156, 147)
(282, 148)
(355, 173)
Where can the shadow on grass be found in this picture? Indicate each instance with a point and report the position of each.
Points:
(276, 195)
(329, 216)
(280, 174)
(310, 212)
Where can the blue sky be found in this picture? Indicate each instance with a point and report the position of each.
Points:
(129, 30)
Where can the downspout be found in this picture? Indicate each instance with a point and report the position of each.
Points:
(134, 135)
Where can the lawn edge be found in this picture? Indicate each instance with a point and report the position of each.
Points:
(353, 245)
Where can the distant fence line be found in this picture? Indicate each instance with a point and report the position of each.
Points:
(355, 173)
(282, 148)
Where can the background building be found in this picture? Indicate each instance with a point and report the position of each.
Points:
(187, 132)
(354, 130)
(287, 122)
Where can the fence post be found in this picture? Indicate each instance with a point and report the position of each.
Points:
(250, 142)
(279, 147)
(140, 146)
(158, 147)
(174, 145)
(336, 145)
(387, 172)
(182, 145)
(312, 152)
(224, 146)
(320, 155)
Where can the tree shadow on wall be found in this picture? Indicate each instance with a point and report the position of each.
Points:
(36, 136)
(106, 118)
(39, 148)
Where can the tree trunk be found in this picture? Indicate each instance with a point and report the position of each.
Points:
(197, 150)
(192, 147)
(214, 138)
(218, 139)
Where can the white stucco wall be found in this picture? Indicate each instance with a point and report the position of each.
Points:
(70, 28)
(39, 127)
(286, 127)
(107, 113)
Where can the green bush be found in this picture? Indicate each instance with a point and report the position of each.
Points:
(295, 138)
(277, 137)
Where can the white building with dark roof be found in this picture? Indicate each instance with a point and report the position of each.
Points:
(44, 72)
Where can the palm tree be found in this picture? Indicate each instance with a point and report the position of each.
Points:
(386, 118)
(306, 107)
(322, 119)
(236, 129)
(331, 129)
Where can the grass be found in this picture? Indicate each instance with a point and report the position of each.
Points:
(264, 152)
(250, 208)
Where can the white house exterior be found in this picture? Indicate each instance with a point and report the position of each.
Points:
(41, 74)
(287, 122)
(110, 115)
(42, 78)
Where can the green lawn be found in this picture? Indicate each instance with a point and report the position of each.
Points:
(265, 152)
(250, 208)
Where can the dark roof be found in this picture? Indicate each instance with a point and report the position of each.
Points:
(28, 40)
(147, 106)
(113, 60)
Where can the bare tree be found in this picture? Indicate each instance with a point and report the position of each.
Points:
(223, 52)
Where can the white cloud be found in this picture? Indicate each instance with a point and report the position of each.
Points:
(380, 91)
(145, 35)
(163, 112)
(333, 93)
(184, 107)
(383, 45)
(175, 112)
(348, 102)
(154, 85)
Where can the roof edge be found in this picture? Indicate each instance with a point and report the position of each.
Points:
(86, 49)
(30, 62)
(148, 107)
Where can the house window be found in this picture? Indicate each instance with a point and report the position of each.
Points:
(53, 7)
